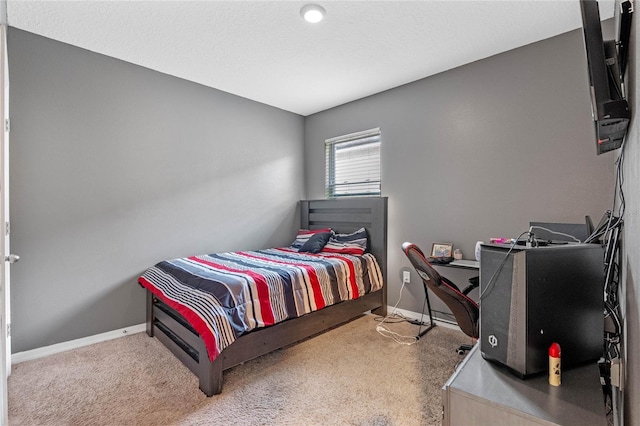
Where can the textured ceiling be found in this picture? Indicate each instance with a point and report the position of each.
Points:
(264, 50)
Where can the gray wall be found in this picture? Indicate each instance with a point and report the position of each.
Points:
(115, 167)
(478, 151)
(630, 288)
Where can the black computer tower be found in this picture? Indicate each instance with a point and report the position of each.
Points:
(531, 297)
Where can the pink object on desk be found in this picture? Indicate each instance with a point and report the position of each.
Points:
(500, 240)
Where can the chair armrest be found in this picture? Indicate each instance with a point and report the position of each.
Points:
(473, 283)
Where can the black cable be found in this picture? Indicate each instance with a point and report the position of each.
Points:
(614, 79)
(618, 190)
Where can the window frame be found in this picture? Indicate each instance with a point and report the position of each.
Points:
(330, 167)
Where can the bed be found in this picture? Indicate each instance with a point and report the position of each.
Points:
(207, 354)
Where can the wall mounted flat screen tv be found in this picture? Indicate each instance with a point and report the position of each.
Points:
(606, 61)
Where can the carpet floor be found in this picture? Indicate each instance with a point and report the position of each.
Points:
(350, 375)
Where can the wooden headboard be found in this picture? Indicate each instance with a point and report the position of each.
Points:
(346, 215)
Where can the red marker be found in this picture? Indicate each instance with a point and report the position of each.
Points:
(554, 364)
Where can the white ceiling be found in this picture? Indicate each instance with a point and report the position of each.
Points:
(264, 50)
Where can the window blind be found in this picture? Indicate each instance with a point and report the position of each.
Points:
(353, 164)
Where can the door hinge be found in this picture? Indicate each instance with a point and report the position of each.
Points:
(7, 125)
(8, 329)
(7, 228)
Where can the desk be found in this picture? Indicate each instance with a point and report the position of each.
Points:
(482, 393)
(458, 274)
(464, 263)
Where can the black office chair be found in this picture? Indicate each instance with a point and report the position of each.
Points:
(464, 309)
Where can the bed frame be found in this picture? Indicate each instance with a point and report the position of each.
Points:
(342, 215)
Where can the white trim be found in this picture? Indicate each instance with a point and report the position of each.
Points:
(353, 136)
(75, 344)
(110, 335)
(416, 316)
(5, 294)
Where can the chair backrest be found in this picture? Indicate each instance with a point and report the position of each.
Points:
(464, 309)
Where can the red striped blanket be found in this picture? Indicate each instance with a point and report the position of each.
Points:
(225, 295)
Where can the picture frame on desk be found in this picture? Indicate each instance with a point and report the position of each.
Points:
(441, 250)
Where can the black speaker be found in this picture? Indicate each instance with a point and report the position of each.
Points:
(531, 297)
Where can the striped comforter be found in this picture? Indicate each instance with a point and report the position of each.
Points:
(225, 295)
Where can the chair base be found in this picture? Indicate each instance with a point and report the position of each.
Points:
(426, 330)
(463, 348)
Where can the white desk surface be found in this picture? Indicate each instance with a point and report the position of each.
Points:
(464, 263)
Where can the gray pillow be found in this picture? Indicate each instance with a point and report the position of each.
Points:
(316, 243)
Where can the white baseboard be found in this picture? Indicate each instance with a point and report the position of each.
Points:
(32, 354)
(19, 357)
(425, 318)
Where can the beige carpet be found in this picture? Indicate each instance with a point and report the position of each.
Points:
(350, 375)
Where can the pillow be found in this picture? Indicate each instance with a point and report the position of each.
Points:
(304, 235)
(355, 243)
(315, 243)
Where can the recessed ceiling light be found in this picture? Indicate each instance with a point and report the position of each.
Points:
(312, 13)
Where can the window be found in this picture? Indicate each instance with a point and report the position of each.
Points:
(353, 164)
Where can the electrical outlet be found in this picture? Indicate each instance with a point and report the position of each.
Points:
(406, 277)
